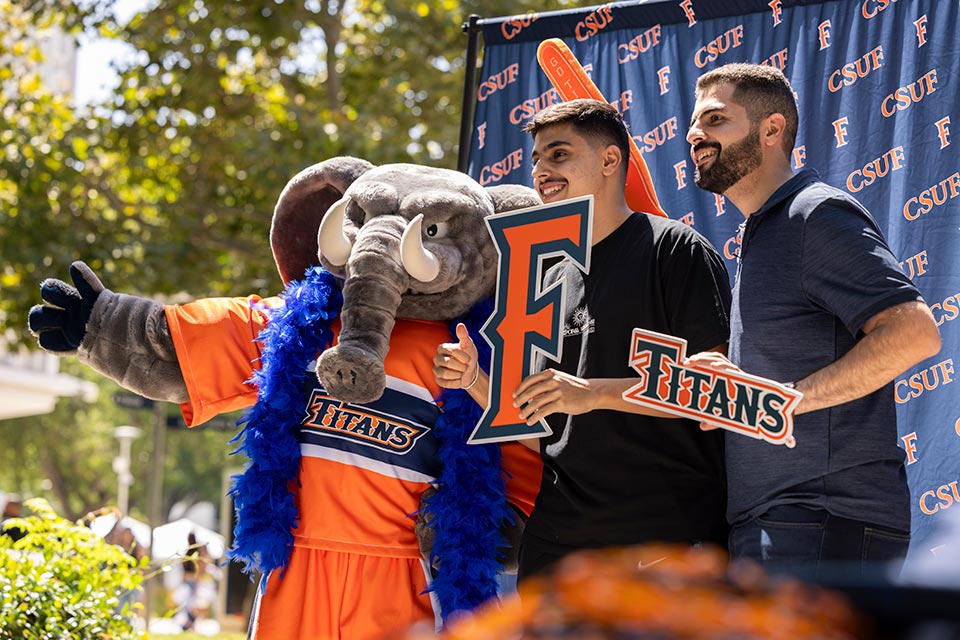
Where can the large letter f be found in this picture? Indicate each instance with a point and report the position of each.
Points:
(524, 317)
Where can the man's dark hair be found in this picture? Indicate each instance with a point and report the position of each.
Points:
(761, 90)
(598, 122)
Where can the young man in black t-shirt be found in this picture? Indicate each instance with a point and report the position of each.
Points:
(614, 473)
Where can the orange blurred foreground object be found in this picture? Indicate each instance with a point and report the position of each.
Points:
(660, 592)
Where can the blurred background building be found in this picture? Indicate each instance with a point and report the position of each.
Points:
(31, 382)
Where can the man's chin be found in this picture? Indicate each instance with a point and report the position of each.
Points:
(707, 184)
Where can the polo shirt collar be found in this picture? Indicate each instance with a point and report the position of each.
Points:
(787, 189)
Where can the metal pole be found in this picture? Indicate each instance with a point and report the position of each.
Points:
(226, 530)
(125, 435)
(155, 491)
(469, 101)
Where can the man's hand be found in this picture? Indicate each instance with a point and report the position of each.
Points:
(60, 323)
(455, 365)
(716, 361)
(552, 391)
(712, 360)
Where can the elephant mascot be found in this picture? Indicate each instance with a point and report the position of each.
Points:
(361, 504)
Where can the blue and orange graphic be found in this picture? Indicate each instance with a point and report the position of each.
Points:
(526, 318)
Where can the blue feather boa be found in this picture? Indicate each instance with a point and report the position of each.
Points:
(468, 508)
(297, 331)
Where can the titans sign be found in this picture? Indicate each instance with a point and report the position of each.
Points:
(745, 404)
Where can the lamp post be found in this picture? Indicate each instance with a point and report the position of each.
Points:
(125, 435)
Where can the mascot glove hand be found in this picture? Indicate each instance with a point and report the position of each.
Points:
(60, 323)
(424, 532)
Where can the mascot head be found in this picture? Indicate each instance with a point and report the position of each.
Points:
(408, 241)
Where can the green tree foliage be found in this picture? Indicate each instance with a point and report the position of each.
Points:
(60, 580)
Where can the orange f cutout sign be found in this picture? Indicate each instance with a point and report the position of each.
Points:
(572, 82)
(526, 318)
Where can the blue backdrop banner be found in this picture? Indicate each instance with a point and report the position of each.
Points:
(876, 83)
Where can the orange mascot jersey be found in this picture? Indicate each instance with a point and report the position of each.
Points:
(355, 571)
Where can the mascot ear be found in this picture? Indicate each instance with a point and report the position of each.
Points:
(301, 207)
(507, 197)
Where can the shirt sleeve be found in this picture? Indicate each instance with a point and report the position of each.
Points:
(216, 346)
(847, 267)
(696, 290)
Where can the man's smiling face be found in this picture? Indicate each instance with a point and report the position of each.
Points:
(724, 143)
(565, 164)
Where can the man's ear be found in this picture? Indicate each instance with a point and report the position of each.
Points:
(771, 129)
(612, 160)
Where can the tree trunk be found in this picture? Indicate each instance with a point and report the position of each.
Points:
(330, 23)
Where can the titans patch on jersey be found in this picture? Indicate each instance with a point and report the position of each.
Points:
(392, 436)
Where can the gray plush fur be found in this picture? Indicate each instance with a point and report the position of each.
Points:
(128, 340)
(376, 287)
(301, 206)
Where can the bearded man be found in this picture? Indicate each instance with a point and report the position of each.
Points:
(820, 303)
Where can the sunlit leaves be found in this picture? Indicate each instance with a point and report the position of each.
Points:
(61, 580)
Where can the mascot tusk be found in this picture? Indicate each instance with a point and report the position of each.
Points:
(417, 261)
(333, 244)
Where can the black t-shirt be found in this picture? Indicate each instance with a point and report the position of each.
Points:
(613, 478)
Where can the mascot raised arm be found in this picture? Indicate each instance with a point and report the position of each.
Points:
(349, 465)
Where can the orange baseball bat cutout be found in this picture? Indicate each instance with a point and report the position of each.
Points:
(572, 82)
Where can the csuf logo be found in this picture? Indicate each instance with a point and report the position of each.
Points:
(594, 22)
(527, 317)
(726, 41)
(498, 81)
(856, 70)
(511, 27)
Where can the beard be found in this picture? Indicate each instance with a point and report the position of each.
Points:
(730, 164)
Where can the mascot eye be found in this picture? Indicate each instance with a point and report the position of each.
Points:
(436, 230)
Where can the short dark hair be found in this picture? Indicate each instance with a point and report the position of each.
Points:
(762, 90)
(597, 121)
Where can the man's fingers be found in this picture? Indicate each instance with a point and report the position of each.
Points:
(527, 383)
(466, 342)
(711, 360)
(525, 397)
(533, 386)
(461, 357)
(708, 426)
(442, 372)
(541, 407)
(539, 401)
(455, 359)
(448, 384)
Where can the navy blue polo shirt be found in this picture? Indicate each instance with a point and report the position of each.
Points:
(813, 269)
